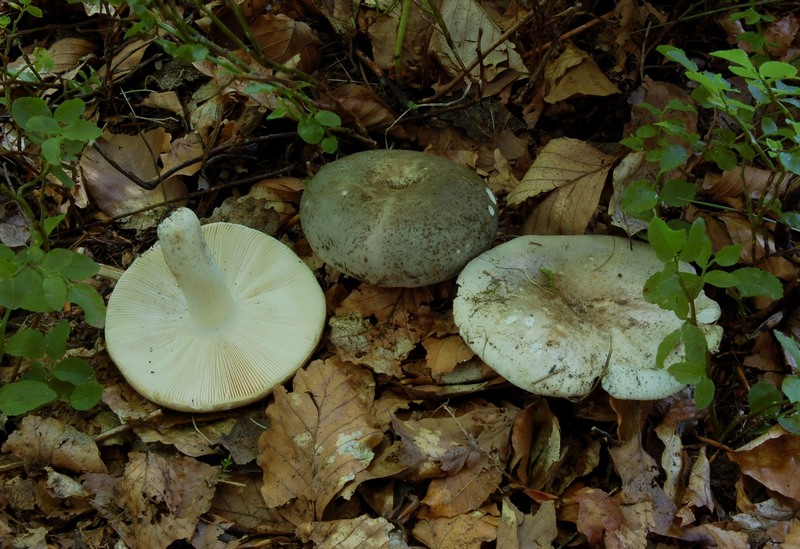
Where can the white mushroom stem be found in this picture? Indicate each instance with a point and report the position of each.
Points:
(197, 273)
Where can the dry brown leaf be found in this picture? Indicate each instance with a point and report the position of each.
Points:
(521, 531)
(601, 519)
(575, 73)
(287, 42)
(320, 436)
(469, 446)
(401, 321)
(745, 181)
(444, 353)
(536, 442)
(240, 501)
(471, 29)
(114, 192)
(67, 52)
(469, 531)
(126, 60)
(157, 501)
(574, 173)
(181, 150)
(772, 460)
(39, 441)
(356, 533)
(360, 107)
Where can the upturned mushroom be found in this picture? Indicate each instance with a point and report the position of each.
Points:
(212, 317)
(398, 218)
(556, 315)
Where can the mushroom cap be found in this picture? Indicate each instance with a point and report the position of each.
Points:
(398, 218)
(279, 316)
(556, 314)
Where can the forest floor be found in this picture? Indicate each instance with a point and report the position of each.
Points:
(439, 450)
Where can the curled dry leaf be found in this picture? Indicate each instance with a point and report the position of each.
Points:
(467, 531)
(320, 436)
(536, 442)
(288, 42)
(470, 28)
(362, 107)
(42, 441)
(362, 531)
(575, 73)
(444, 353)
(157, 501)
(114, 192)
(746, 181)
(518, 530)
(574, 173)
(772, 460)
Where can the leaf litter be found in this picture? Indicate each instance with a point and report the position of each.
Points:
(395, 435)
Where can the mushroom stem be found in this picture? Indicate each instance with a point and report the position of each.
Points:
(197, 273)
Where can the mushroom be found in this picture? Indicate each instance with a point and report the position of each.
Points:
(556, 314)
(398, 218)
(213, 317)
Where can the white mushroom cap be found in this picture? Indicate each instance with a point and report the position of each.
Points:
(398, 218)
(555, 315)
(213, 318)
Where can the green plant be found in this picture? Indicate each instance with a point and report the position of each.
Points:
(36, 278)
(762, 131)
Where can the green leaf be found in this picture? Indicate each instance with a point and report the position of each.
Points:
(28, 343)
(310, 130)
(51, 223)
(791, 423)
(704, 393)
(664, 289)
(720, 279)
(666, 346)
(70, 110)
(676, 54)
(73, 370)
(695, 345)
(772, 70)
(56, 260)
(94, 308)
(43, 124)
(728, 255)
(329, 144)
(677, 193)
(25, 108)
(791, 161)
(56, 339)
(666, 242)
(737, 56)
(698, 245)
(673, 156)
(55, 291)
(791, 388)
(639, 196)
(763, 396)
(328, 119)
(82, 130)
(51, 150)
(789, 345)
(86, 396)
(23, 396)
(687, 372)
(80, 267)
(753, 282)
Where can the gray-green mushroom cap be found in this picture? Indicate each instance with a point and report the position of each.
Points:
(398, 218)
(558, 315)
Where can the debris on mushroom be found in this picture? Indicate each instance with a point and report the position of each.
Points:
(398, 218)
(213, 317)
(556, 315)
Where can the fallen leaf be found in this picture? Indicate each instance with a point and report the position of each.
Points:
(468, 531)
(320, 436)
(39, 441)
(523, 531)
(444, 353)
(772, 459)
(574, 173)
(286, 41)
(575, 73)
(536, 443)
(157, 501)
(356, 533)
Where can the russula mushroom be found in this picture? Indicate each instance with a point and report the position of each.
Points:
(555, 315)
(398, 218)
(212, 317)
